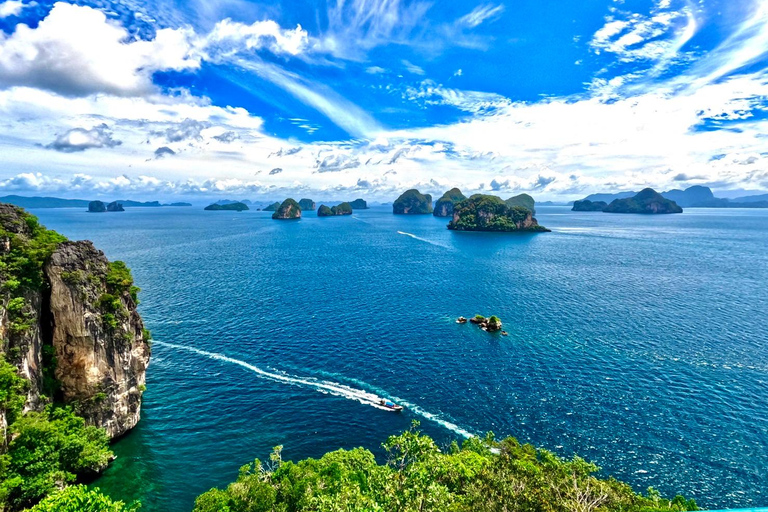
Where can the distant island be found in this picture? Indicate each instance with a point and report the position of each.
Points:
(101, 207)
(489, 213)
(412, 202)
(342, 209)
(359, 204)
(230, 207)
(648, 201)
(444, 205)
(696, 196)
(585, 205)
(57, 202)
(273, 207)
(307, 204)
(288, 210)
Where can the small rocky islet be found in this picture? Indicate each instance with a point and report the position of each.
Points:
(647, 201)
(489, 324)
(288, 210)
(333, 211)
(101, 207)
(229, 207)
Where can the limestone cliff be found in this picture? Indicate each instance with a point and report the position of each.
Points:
(68, 322)
(97, 336)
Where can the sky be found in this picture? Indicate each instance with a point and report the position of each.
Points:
(341, 99)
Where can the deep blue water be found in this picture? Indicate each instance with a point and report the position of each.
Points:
(637, 342)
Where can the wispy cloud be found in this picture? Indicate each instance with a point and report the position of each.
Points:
(480, 14)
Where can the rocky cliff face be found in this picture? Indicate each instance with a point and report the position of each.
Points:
(290, 209)
(69, 324)
(98, 338)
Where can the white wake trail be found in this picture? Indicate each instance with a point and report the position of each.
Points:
(424, 240)
(328, 387)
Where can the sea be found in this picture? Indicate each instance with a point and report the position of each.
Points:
(637, 342)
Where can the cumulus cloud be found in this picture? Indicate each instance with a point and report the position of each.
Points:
(187, 129)
(80, 139)
(164, 151)
(227, 137)
(229, 38)
(97, 56)
(13, 8)
(336, 163)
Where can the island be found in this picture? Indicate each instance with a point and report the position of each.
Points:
(289, 210)
(585, 205)
(489, 213)
(342, 209)
(412, 202)
(307, 204)
(523, 200)
(444, 205)
(178, 204)
(490, 324)
(229, 207)
(647, 201)
(273, 207)
(359, 204)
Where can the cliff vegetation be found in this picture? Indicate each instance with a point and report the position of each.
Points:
(478, 476)
(288, 210)
(444, 205)
(236, 207)
(412, 202)
(489, 213)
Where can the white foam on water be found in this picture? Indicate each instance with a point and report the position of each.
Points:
(423, 239)
(324, 386)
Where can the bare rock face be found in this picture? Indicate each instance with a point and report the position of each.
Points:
(97, 337)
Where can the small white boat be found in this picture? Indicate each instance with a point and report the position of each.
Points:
(392, 406)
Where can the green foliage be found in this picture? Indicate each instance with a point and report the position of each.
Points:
(22, 267)
(489, 213)
(589, 206)
(21, 320)
(73, 278)
(146, 334)
(444, 205)
(342, 209)
(273, 207)
(481, 475)
(78, 498)
(359, 204)
(523, 200)
(412, 202)
(119, 280)
(324, 211)
(306, 204)
(49, 449)
(13, 390)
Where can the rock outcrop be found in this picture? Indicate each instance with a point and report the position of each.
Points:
(97, 336)
(114, 206)
(586, 205)
(69, 323)
(647, 201)
(412, 202)
(97, 207)
(444, 205)
(489, 213)
(523, 200)
(289, 210)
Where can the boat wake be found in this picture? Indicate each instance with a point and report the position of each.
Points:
(324, 386)
(423, 239)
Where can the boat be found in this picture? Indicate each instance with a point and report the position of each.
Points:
(461, 320)
(390, 405)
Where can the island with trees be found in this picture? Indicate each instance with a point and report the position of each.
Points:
(341, 209)
(647, 201)
(412, 202)
(444, 205)
(523, 200)
(490, 213)
(585, 205)
(307, 204)
(289, 210)
(229, 207)
(272, 207)
(359, 204)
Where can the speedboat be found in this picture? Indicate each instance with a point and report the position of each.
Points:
(390, 405)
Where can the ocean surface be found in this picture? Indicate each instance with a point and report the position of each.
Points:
(638, 342)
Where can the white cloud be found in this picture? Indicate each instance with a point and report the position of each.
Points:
(229, 38)
(481, 13)
(13, 8)
(412, 68)
(80, 139)
(76, 51)
(375, 70)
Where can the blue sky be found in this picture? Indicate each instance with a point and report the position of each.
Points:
(246, 99)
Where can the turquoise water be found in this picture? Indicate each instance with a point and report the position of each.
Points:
(637, 342)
